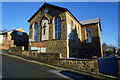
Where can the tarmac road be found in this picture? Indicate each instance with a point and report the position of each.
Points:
(17, 68)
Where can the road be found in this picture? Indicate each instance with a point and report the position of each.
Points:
(17, 68)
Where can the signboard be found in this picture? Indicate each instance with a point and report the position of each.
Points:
(37, 44)
(1, 39)
(35, 48)
(43, 50)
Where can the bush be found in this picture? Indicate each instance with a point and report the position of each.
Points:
(110, 52)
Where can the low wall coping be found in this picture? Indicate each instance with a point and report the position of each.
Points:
(80, 59)
(94, 57)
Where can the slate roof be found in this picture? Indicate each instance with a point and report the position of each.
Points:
(91, 21)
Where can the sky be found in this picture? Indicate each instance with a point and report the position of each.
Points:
(16, 15)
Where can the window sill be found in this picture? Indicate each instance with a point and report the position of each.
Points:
(88, 42)
(56, 39)
(43, 40)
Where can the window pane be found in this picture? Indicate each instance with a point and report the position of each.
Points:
(59, 34)
(88, 35)
(55, 35)
(59, 21)
(56, 28)
(55, 21)
(59, 28)
(35, 32)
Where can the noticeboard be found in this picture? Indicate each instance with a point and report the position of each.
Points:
(43, 50)
(35, 48)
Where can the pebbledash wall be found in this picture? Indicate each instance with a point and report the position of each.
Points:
(64, 45)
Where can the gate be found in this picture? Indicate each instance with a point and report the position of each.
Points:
(108, 65)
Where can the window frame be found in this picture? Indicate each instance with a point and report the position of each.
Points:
(88, 36)
(36, 33)
(57, 28)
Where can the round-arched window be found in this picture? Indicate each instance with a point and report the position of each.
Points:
(88, 35)
(57, 28)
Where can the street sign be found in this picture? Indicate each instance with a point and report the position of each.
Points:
(35, 48)
(43, 50)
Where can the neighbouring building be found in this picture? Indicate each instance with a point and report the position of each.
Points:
(13, 38)
(58, 31)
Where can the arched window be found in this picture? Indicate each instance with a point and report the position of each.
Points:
(57, 28)
(36, 32)
(88, 36)
(71, 36)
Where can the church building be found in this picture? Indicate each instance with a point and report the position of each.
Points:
(56, 30)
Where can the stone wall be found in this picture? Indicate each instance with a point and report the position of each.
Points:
(6, 44)
(54, 46)
(17, 49)
(79, 64)
(51, 58)
(54, 59)
(94, 48)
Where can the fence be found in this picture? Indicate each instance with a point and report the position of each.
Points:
(108, 65)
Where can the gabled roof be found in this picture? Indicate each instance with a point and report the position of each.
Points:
(91, 21)
(96, 20)
(46, 4)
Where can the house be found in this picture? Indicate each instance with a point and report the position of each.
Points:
(13, 38)
(57, 31)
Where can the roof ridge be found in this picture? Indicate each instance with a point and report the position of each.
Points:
(91, 19)
(42, 7)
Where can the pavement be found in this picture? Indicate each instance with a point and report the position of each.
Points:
(18, 67)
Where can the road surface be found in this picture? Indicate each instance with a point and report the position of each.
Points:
(17, 68)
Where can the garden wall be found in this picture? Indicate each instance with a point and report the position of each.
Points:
(54, 59)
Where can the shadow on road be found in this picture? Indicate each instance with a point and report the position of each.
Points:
(77, 76)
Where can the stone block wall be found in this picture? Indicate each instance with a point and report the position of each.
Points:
(54, 46)
(79, 64)
(93, 48)
(17, 49)
(51, 58)
(54, 59)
